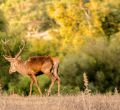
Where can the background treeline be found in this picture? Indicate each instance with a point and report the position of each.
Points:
(84, 34)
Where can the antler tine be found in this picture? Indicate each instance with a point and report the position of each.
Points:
(6, 46)
(21, 49)
(4, 41)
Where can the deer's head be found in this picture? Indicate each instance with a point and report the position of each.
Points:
(14, 60)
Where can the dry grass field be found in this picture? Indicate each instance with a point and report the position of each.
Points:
(76, 102)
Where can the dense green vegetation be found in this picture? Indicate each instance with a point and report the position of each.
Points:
(83, 34)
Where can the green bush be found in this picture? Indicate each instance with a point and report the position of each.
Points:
(99, 58)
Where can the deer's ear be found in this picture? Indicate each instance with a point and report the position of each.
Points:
(8, 58)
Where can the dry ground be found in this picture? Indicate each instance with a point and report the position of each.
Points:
(78, 102)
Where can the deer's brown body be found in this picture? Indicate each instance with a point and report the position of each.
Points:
(40, 64)
(35, 66)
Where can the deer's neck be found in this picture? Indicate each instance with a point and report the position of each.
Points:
(22, 67)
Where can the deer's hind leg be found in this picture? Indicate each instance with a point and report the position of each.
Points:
(59, 81)
(47, 69)
(55, 73)
(54, 76)
(52, 84)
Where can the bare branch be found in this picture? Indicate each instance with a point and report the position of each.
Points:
(87, 14)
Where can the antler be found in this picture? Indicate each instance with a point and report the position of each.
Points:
(6, 46)
(21, 49)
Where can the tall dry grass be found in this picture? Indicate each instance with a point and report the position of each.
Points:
(82, 101)
(76, 102)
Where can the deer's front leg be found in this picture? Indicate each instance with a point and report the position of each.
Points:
(31, 84)
(36, 83)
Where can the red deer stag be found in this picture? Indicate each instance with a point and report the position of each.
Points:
(35, 66)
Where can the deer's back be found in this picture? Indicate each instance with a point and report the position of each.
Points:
(40, 63)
